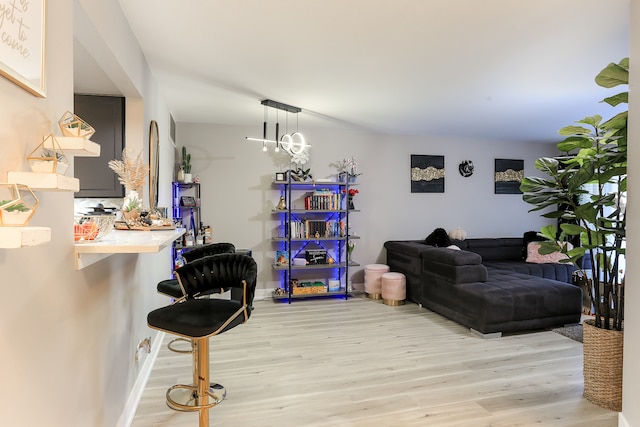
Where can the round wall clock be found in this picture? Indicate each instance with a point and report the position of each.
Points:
(466, 168)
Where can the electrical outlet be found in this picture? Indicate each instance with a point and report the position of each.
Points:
(145, 346)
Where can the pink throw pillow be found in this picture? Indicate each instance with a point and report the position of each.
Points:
(535, 257)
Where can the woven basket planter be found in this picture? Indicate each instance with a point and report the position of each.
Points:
(603, 366)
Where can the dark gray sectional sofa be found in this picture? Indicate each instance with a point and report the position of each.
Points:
(487, 285)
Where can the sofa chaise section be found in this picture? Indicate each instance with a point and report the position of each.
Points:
(503, 294)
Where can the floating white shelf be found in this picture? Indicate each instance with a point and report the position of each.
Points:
(124, 242)
(78, 147)
(18, 237)
(44, 181)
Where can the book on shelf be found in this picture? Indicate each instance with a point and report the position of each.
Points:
(282, 257)
(323, 199)
(309, 229)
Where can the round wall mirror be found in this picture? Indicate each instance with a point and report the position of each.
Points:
(154, 165)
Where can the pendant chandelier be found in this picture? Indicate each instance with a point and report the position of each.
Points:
(293, 144)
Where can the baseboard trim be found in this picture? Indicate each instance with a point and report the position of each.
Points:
(622, 422)
(129, 411)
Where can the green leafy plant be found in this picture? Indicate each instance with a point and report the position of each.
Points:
(186, 160)
(585, 190)
(46, 153)
(18, 207)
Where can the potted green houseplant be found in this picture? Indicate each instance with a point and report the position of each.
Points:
(586, 192)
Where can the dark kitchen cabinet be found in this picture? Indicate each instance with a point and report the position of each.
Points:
(106, 115)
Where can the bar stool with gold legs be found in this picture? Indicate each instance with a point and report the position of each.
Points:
(199, 319)
(172, 289)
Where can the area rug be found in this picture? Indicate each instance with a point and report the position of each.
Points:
(571, 331)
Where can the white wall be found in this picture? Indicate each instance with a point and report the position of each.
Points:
(238, 197)
(630, 415)
(69, 336)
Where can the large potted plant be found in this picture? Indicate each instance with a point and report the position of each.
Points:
(586, 191)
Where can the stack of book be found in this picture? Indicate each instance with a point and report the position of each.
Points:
(323, 199)
(308, 229)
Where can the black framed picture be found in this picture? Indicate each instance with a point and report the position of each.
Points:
(508, 175)
(427, 174)
(280, 176)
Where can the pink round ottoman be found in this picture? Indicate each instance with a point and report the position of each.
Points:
(373, 279)
(394, 288)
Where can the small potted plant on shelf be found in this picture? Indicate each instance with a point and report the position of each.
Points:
(347, 170)
(185, 165)
(18, 203)
(131, 206)
(73, 126)
(48, 157)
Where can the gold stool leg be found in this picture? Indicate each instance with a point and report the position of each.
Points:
(199, 396)
(202, 354)
(185, 397)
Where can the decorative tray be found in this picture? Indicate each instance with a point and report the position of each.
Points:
(125, 226)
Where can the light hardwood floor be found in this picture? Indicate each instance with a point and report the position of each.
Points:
(361, 363)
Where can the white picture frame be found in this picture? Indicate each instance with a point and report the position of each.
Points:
(22, 46)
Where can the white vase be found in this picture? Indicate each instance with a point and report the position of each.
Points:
(180, 175)
(188, 177)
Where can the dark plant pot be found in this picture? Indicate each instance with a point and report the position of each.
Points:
(603, 366)
(351, 206)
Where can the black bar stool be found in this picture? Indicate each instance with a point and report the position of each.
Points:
(198, 319)
(172, 289)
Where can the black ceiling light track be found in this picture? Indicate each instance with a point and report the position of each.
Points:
(280, 106)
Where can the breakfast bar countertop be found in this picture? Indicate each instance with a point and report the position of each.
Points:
(124, 242)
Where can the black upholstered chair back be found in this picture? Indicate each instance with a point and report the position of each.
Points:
(218, 273)
(208, 250)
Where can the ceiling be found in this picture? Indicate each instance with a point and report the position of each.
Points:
(491, 69)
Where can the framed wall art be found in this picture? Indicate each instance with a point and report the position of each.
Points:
(427, 174)
(508, 175)
(22, 48)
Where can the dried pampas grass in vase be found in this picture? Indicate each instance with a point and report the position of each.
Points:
(131, 170)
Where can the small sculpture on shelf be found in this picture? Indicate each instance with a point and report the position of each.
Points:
(279, 291)
(282, 204)
(300, 174)
(48, 157)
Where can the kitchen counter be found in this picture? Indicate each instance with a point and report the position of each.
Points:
(124, 242)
